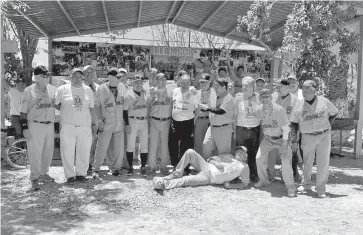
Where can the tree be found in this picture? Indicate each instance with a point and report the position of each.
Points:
(27, 43)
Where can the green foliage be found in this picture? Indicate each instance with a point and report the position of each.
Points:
(311, 30)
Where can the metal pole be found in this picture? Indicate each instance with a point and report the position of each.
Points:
(2, 72)
(50, 58)
(189, 38)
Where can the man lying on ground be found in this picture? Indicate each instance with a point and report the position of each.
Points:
(216, 170)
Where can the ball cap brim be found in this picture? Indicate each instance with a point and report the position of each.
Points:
(243, 148)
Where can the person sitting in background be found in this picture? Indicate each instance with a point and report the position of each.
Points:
(219, 169)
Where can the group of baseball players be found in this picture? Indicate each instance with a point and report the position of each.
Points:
(209, 122)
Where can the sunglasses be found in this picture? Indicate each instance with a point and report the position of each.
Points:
(204, 82)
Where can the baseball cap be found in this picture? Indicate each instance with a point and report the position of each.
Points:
(292, 77)
(309, 83)
(112, 72)
(260, 79)
(282, 81)
(265, 92)
(205, 77)
(122, 70)
(137, 77)
(75, 70)
(241, 148)
(40, 69)
(160, 76)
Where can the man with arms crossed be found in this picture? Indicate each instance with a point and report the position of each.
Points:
(276, 130)
(313, 116)
(37, 115)
(220, 169)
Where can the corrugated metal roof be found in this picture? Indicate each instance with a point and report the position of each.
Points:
(89, 17)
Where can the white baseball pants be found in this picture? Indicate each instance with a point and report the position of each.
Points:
(139, 128)
(159, 133)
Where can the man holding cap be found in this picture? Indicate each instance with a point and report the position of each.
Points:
(207, 96)
(136, 120)
(109, 104)
(219, 169)
(37, 115)
(275, 126)
(15, 95)
(313, 117)
(287, 101)
(219, 134)
(260, 84)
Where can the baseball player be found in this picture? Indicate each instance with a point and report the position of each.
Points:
(247, 124)
(136, 121)
(90, 77)
(219, 133)
(219, 169)
(185, 103)
(207, 96)
(160, 107)
(287, 101)
(109, 104)
(37, 115)
(275, 126)
(313, 117)
(75, 102)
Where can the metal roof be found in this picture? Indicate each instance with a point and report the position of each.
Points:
(58, 19)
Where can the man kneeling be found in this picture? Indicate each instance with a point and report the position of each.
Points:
(216, 170)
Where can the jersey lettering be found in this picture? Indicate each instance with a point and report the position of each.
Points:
(308, 117)
(78, 103)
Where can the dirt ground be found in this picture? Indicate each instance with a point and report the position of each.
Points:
(121, 205)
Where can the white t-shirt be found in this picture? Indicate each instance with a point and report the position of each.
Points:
(15, 100)
(184, 105)
(75, 104)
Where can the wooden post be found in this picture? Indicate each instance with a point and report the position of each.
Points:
(50, 58)
(359, 99)
(272, 73)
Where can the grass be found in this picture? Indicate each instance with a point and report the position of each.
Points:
(122, 205)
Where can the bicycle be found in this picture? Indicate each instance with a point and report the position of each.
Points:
(16, 153)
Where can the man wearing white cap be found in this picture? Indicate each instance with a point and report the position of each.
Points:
(313, 116)
(122, 77)
(37, 115)
(275, 126)
(260, 84)
(219, 169)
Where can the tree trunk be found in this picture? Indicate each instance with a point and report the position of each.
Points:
(28, 47)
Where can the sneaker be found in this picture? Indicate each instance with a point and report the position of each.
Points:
(151, 171)
(259, 184)
(143, 171)
(35, 185)
(116, 173)
(130, 171)
(81, 178)
(158, 183)
(95, 175)
(164, 171)
(46, 177)
(291, 192)
(302, 189)
(71, 180)
(321, 195)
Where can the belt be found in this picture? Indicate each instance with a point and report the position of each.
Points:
(138, 118)
(15, 115)
(240, 86)
(221, 125)
(317, 133)
(161, 119)
(275, 137)
(205, 117)
(47, 122)
(248, 128)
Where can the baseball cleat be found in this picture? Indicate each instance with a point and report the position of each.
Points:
(35, 185)
(130, 172)
(302, 189)
(95, 175)
(46, 177)
(116, 173)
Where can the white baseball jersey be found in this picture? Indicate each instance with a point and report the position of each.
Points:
(161, 104)
(288, 103)
(135, 104)
(273, 121)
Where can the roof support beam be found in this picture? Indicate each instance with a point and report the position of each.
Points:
(230, 31)
(213, 13)
(178, 12)
(106, 15)
(69, 18)
(139, 17)
(276, 27)
(171, 11)
(32, 21)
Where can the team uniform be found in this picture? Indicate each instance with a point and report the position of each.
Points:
(272, 123)
(160, 115)
(248, 128)
(315, 129)
(219, 133)
(202, 118)
(182, 123)
(111, 139)
(75, 134)
(40, 109)
(288, 103)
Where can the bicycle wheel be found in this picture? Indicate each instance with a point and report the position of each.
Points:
(16, 155)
